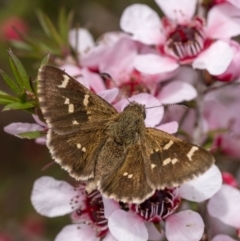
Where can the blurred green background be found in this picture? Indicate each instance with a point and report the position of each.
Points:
(22, 160)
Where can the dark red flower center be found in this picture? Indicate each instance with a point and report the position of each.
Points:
(157, 207)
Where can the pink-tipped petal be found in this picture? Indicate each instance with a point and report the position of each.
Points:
(236, 3)
(176, 92)
(224, 205)
(154, 64)
(51, 198)
(223, 237)
(81, 40)
(178, 11)
(223, 21)
(185, 226)
(170, 127)
(202, 187)
(19, 127)
(126, 226)
(143, 22)
(215, 59)
(109, 206)
(109, 95)
(76, 232)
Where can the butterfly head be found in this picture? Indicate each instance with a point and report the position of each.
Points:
(136, 108)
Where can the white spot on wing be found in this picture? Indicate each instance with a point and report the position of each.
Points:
(84, 149)
(65, 82)
(78, 145)
(85, 101)
(75, 122)
(174, 161)
(125, 173)
(167, 161)
(67, 101)
(168, 145)
(70, 108)
(130, 175)
(191, 152)
(153, 165)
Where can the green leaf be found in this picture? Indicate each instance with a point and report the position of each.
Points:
(19, 71)
(45, 60)
(18, 106)
(49, 28)
(5, 101)
(31, 135)
(9, 97)
(11, 83)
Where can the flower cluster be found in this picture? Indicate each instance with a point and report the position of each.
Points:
(187, 56)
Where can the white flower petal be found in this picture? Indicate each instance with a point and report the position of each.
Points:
(126, 226)
(236, 3)
(215, 59)
(223, 237)
(154, 64)
(19, 127)
(179, 11)
(185, 226)
(143, 22)
(75, 232)
(81, 40)
(170, 127)
(109, 95)
(176, 92)
(224, 205)
(203, 187)
(109, 206)
(51, 198)
(223, 21)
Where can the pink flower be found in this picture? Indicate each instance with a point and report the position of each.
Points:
(232, 72)
(180, 38)
(222, 237)
(224, 205)
(11, 26)
(18, 128)
(94, 216)
(221, 117)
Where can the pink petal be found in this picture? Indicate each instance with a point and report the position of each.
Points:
(75, 232)
(126, 226)
(202, 187)
(143, 22)
(38, 121)
(81, 40)
(118, 62)
(154, 115)
(109, 206)
(176, 92)
(52, 198)
(223, 237)
(154, 64)
(153, 232)
(94, 80)
(109, 237)
(178, 11)
(19, 127)
(224, 205)
(41, 140)
(170, 127)
(185, 226)
(109, 95)
(223, 21)
(236, 3)
(215, 59)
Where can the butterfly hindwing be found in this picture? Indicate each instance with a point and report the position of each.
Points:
(128, 182)
(66, 104)
(172, 161)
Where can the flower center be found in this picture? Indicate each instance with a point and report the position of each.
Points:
(186, 41)
(95, 210)
(157, 207)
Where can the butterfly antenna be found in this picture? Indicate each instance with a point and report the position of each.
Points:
(48, 165)
(108, 77)
(165, 105)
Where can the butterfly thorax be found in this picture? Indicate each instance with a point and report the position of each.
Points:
(129, 127)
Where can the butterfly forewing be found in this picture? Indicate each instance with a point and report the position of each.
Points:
(173, 161)
(66, 104)
(77, 121)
